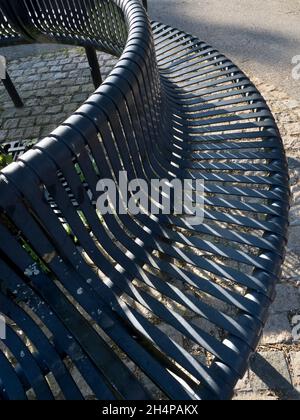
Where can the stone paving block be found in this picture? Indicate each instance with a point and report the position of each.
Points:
(47, 130)
(32, 132)
(32, 103)
(39, 111)
(269, 371)
(60, 75)
(244, 384)
(54, 109)
(294, 239)
(295, 368)
(16, 134)
(3, 135)
(83, 65)
(55, 68)
(27, 122)
(42, 70)
(9, 124)
(69, 108)
(287, 299)
(277, 330)
(74, 89)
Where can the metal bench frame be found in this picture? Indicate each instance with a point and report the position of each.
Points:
(102, 297)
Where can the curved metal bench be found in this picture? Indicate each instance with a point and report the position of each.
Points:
(138, 307)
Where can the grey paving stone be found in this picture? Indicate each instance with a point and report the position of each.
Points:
(244, 384)
(3, 135)
(16, 134)
(287, 299)
(32, 132)
(27, 122)
(294, 239)
(43, 120)
(269, 371)
(80, 97)
(277, 330)
(70, 108)
(12, 123)
(295, 368)
(54, 109)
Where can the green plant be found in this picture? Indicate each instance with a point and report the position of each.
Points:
(5, 157)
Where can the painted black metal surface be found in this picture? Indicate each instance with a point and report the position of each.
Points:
(11, 90)
(135, 307)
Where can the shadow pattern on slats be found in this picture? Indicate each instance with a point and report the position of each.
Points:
(138, 307)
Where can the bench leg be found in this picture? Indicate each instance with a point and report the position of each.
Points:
(94, 66)
(12, 91)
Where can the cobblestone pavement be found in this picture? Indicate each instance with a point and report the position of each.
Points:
(52, 87)
(56, 84)
(275, 370)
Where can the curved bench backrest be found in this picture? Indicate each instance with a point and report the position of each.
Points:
(118, 128)
(47, 198)
(131, 99)
(9, 34)
(100, 23)
(197, 116)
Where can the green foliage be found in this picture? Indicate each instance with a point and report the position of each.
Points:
(5, 158)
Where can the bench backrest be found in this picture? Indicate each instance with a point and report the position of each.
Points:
(118, 128)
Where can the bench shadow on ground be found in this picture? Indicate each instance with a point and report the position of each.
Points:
(272, 378)
(233, 39)
(265, 53)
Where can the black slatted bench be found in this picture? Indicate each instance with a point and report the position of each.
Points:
(137, 306)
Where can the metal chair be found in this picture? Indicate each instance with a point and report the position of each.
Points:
(139, 306)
